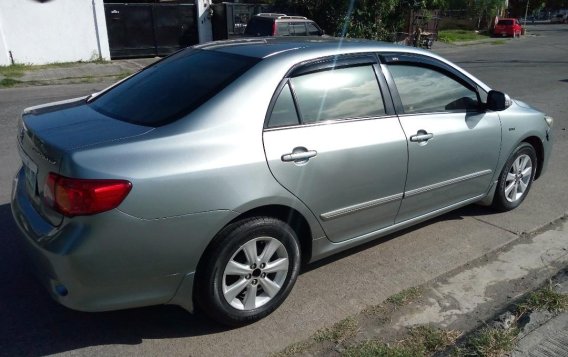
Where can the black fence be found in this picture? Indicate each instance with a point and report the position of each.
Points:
(149, 28)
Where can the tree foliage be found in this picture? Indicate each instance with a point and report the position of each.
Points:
(372, 19)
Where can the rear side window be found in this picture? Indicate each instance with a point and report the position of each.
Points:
(259, 27)
(283, 29)
(298, 28)
(338, 94)
(424, 90)
(284, 111)
(172, 87)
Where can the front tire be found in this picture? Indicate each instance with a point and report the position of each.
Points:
(248, 271)
(516, 178)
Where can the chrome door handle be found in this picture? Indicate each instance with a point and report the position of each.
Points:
(421, 136)
(299, 156)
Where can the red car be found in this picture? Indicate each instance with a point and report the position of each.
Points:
(507, 27)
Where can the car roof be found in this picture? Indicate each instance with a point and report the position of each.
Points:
(286, 50)
(271, 46)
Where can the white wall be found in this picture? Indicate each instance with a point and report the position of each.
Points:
(52, 31)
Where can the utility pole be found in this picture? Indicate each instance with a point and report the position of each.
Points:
(526, 13)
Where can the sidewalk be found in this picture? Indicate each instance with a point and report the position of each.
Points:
(80, 72)
(502, 304)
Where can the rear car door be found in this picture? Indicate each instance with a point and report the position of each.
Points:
(453, 143)
(332, 139)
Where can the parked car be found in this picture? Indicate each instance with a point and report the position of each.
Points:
(271, 24)
(185, 184)
(508, 27)
(559, 19)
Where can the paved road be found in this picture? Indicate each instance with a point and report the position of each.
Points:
(534, 69)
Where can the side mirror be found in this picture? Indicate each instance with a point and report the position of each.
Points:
(498, 101)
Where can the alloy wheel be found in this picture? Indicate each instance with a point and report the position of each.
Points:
(518, 178)
(255, 273)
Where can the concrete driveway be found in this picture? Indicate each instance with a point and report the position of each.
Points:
(533, 69)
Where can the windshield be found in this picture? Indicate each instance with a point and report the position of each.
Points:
(173, 87)
(505, 22)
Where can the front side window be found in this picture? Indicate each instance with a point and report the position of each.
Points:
(338, 94)
(312, 29)
(425, 90)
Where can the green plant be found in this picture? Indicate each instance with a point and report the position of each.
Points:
(339, 332)
(545, 299)
(490, 342)
(9, 82)
(404, 297)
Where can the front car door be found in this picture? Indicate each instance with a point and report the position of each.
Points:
(453, 143)
(332, 139)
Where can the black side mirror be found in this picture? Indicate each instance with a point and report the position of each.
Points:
(498, 101)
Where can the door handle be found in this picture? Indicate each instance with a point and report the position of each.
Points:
(299, 156)
(421, 136)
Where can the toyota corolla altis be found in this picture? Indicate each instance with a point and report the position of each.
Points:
(208, 177)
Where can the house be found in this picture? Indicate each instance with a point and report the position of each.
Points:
(47, 31)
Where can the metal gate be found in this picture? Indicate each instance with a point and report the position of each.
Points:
(137, 29)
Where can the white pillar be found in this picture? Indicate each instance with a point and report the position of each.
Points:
(4, 56)
(101, 31)
(204, 28)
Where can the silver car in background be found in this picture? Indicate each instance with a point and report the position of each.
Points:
(210, 176)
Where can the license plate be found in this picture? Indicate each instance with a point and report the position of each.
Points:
(30, 171)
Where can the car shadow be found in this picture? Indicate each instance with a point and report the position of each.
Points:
(34, 325)
(457, 215)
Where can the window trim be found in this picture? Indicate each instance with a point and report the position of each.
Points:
(394, 59)
(328, 63)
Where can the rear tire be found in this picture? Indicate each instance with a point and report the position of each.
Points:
(516, 178)
(248, 271)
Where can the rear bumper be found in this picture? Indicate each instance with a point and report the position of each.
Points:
(112, 260)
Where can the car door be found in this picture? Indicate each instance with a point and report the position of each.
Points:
(453, 143)
(332, 140)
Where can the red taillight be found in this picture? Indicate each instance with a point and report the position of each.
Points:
(274, 28)
(79, 197)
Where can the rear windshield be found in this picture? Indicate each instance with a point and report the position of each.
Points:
(259, 27)
(172, 87)
(505, 22)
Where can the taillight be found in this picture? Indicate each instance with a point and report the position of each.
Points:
(274, 28)
(79, 197)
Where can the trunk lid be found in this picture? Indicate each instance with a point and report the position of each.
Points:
(49, 132)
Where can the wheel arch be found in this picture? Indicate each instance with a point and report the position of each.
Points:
(536, 143)
(290, 216)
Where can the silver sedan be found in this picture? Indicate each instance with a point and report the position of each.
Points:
(209, 177)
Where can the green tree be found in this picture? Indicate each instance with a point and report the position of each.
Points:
(485, 10)
(371, 19)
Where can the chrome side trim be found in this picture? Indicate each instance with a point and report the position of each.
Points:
(360, 206)
(324, 247)
(330, 122)
(446, 183)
